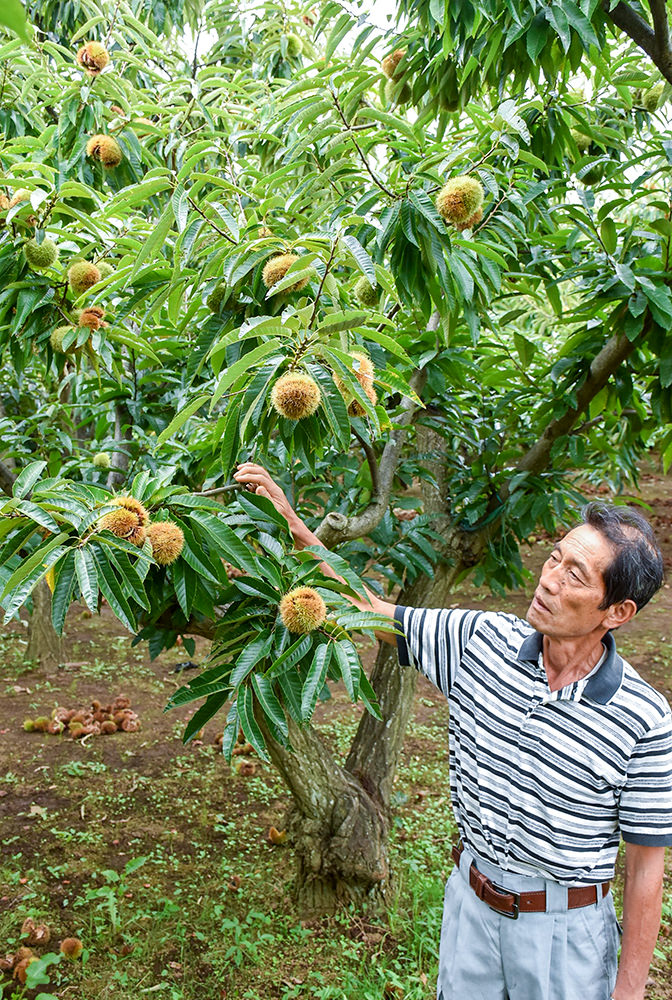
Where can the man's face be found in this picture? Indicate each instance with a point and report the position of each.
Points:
(566, 603)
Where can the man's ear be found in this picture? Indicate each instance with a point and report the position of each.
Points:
(619, 614)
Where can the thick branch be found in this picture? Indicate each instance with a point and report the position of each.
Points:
(336, 528)
(654, 43)
(603, 366)
(660, 25)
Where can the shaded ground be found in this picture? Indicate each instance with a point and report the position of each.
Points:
(157, 855)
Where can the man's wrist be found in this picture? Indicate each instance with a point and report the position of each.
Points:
(301, 533)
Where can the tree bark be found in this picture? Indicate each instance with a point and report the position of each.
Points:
(44, 644)
(337, 830)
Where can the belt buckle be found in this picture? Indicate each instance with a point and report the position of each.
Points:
(516, 902)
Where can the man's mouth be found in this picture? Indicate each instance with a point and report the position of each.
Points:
(536, 600)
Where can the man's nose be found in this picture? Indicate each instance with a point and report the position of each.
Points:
(551, 579)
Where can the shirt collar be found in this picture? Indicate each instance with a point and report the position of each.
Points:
(603, 685)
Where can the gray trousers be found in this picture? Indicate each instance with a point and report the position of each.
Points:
(557, 955)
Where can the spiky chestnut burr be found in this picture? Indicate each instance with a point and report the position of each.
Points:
(277, 267)
(366, 293)
(390, 63)
(128, 521)
(106, 149)
(71, 947)
(82, 275)
(302, 610)
(295, 396)
(167, 540)
(42, 255)
(459, 198)
(93, 57)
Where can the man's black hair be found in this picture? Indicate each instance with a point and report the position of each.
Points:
(636, 571)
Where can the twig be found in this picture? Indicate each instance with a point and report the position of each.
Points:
(231, 487)
(324, 278)
(194, 63)
(376, 180)
(337, 527)
(112, 23)
(210, 222)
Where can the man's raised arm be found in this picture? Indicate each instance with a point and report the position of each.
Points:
(259, 481)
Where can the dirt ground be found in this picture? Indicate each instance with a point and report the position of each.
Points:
(59, 825)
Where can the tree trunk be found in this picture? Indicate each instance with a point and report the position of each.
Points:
(337, 830)
(339, 820)
(44, 645)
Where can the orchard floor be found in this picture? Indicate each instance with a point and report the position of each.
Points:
(157, 855)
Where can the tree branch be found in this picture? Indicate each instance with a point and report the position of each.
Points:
(660, 25)
(373, 465)
(654, 43)
(335, 527)
(602, 367)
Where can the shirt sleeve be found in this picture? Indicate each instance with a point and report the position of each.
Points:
(645, 811)
(433, 641)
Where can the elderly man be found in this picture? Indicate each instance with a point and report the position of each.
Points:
(558, 748)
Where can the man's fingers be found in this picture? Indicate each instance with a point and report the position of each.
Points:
(252, 477)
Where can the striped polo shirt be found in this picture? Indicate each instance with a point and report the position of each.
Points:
(543, 782)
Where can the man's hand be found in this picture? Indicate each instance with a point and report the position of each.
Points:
(256, 477)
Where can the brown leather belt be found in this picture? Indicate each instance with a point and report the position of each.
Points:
(511, 904)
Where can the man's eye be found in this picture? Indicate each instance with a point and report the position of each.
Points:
(575, 576)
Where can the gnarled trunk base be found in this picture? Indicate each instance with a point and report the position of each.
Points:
(340, 860)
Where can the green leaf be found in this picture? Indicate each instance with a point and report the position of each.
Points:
(38, 515)
(181, 418)
(253, 653)
(63, 587)
(291, 656)
(254, 505)
(244, 364)
(27, 478)
(184, 581)
(314, 682)
(272, 708)
(368, 696)
(37, 559)
(112, 591)
(213, 704)
(608, 235)
(339, 565)
(229, 545)
(248, 723)
(87, 578)
(230, 733)
(348, 663)
(257, 588)
(339, 321)
(362, 259)
(155, 241)
(13, 16)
